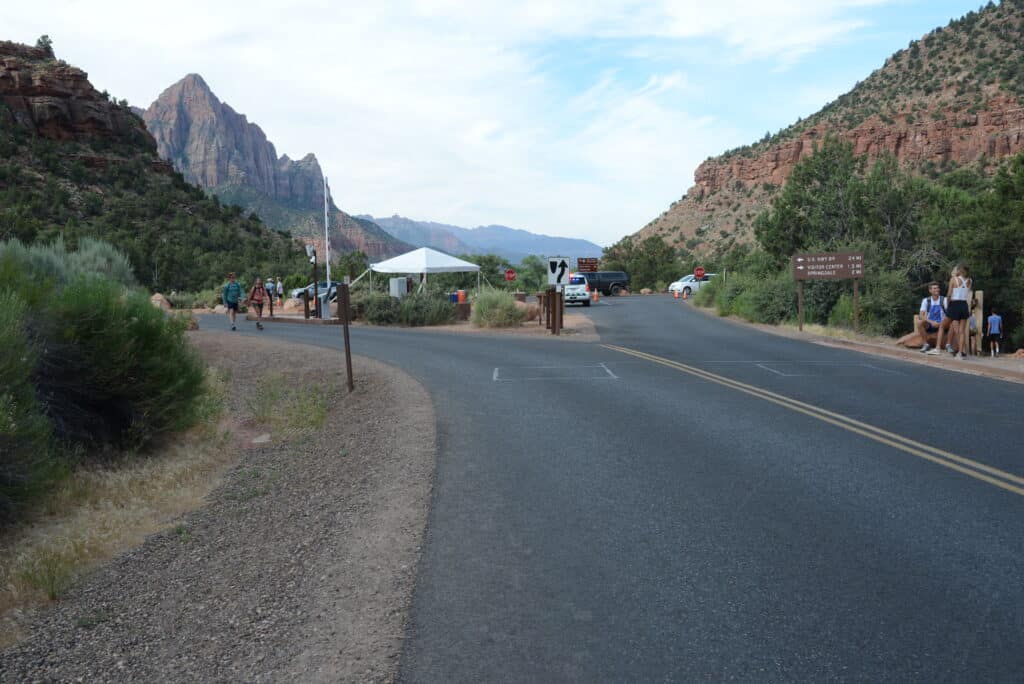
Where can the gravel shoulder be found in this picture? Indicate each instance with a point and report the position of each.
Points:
(299, 567)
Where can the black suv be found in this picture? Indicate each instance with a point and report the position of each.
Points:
(608, 282)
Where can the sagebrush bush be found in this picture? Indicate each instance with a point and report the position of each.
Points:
(425, 308)
(496, 309)
(378, 308)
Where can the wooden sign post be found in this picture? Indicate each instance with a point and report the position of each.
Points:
(828, 266)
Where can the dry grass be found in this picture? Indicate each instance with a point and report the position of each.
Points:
(99, 511)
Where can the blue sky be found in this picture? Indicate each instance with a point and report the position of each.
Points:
(583, 120)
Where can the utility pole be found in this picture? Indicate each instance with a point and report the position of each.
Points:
(327, 238)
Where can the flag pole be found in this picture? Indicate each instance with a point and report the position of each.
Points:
(327, 239)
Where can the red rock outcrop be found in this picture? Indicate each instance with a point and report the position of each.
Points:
(943, 102)
(56, 100)
(964, 138)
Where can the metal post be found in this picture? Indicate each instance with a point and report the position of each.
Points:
(316, 290)
(343, 311)
(800, 303)
(856, 305)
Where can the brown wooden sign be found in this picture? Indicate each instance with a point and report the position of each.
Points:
(586, 265)
(834, 266)
(829, 266)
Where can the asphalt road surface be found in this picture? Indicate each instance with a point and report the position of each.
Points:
(693, 500)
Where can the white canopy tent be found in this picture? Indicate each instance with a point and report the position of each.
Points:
(423, 261)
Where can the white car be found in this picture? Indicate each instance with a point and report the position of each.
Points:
(689, 284)
(578, 290)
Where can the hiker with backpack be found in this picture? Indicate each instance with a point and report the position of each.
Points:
(257, 296)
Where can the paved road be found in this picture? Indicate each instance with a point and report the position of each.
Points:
(657, 507)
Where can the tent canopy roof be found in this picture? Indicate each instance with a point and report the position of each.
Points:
(424, 260)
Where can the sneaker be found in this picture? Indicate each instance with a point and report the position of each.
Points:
(925, 347)
(950, 349)
(932, 352)
(963, 356)
(232, 327)
(259, 326)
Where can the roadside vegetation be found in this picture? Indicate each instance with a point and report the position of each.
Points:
(911, 230)
(90, 369)
(496, 309)
(414, 310)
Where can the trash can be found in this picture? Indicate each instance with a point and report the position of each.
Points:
(453, 297)
(461, 294)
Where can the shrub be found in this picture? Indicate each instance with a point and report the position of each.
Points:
(425, 308)
(887, 306)
(772, 300)
(94, 256)
(378, 308)
(841, 315)
(118, 371)
(496, 309)
(26, 459)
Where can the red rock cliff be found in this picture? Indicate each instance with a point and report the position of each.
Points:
(57, 101)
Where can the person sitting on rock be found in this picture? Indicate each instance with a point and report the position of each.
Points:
(932, 318)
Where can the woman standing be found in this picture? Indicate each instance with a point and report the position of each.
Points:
(959, 294)
(258, 295)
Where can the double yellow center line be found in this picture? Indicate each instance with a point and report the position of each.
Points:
(971, 468)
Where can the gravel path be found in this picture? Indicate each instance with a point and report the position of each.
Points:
(300, 568)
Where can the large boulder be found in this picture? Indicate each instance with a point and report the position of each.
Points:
(646, 291)
(160, 302)
(289, 306)
(532, 310)
(220, 309)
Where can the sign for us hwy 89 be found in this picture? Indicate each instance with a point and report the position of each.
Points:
(837, 266)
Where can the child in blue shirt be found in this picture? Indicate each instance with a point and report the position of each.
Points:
(995, 332)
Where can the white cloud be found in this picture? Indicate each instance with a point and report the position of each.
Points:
(441, 109)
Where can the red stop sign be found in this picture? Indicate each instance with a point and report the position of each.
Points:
(698, 272)
(510, 275)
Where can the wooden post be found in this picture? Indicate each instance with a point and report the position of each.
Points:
(344, 312)
(856, 305)
(560, 307)
(305, 303)
(548, 301)
(800, 303)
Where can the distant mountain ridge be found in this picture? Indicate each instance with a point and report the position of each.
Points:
(510, 243)
(221, 150)
(955, 97)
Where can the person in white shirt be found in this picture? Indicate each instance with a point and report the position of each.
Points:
(932, 319)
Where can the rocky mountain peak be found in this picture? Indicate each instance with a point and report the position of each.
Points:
(215, 146)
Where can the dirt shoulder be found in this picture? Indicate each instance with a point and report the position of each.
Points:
(299, 567)
(1004, 368)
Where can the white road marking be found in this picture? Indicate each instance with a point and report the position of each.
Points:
(608, 371)
(777, 372)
